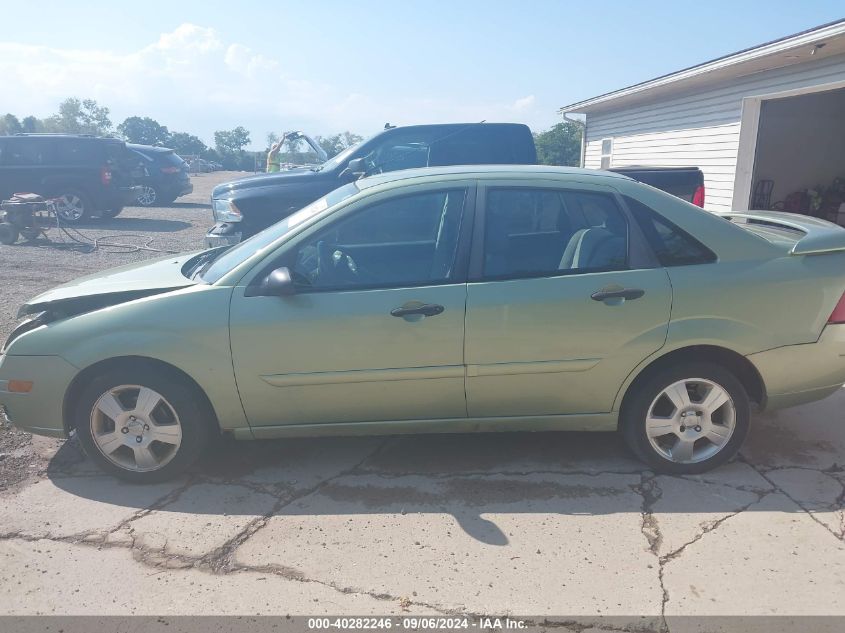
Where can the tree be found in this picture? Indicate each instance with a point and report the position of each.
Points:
(9, 124)
(143, 130)
(230, 145)
(80, 117)
(31, 124)
(231, 141)
(336, 143)
(561, 145)
(187, 144)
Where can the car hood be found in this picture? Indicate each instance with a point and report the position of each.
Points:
(113, 286)
(265, 180)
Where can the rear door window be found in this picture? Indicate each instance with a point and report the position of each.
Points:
(71, 151)
(546, 232)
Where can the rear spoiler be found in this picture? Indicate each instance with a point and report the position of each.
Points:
(820, 236)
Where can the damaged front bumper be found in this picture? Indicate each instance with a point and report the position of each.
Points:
(41, 410)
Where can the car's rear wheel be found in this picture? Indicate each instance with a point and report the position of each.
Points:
(687, 419)
(143, 425)
(72, 206)
(147, 196)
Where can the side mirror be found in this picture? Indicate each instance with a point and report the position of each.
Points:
(356, 167)
(278, 283)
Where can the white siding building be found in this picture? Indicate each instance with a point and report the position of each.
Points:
(771, 114)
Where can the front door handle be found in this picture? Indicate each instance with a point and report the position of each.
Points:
(425, 309)
(622, 293)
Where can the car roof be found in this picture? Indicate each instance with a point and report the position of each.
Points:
(488, 171)
(59, 136)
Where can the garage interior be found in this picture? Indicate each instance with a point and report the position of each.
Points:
(799, 163)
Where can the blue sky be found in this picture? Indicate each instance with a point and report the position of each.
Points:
(331, 66)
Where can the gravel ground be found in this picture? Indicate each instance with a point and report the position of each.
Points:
(29, 269)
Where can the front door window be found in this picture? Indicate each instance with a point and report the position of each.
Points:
(402, 242)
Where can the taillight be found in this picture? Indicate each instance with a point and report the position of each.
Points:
(171, 170)
(105, 175)
(698, 196)
(838, 314)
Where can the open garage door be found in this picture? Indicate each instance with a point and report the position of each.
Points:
(799, 162)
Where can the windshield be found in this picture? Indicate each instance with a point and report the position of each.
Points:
(236, 255)
(334, 161)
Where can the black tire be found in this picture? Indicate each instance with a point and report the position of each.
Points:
(8, 233)
(108, 214)
(639, 402)
(30, 234)
(181, 397)
(75, 206)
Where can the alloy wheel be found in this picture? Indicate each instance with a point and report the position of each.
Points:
(70, 207)
(691, 420)
(136, 428)
(147, 196)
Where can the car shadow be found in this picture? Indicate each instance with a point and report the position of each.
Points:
(147, 225)
(470, 477)
(188, 205)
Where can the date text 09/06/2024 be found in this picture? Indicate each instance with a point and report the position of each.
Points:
(417, 623)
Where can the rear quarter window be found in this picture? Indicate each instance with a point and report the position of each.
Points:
(672, 245)
(171, 158)
(28, 152)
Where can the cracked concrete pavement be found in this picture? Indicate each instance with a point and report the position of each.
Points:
(564, 526)
(542, 524)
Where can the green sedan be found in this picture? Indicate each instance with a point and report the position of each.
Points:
(473, 298)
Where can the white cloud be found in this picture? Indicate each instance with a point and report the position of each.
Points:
(523, 103)
(191, 80)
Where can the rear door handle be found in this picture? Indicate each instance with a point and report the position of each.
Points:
(624, 293)
(426, 309)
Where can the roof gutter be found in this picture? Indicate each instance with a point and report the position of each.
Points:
(805, 38)
(583, 125)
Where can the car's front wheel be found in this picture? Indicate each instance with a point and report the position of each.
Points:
(143, 425)
(686, 419)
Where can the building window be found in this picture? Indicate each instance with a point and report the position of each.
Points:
(606, 152)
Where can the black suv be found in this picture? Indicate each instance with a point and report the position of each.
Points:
(90, 174)
(163, 175)
(244, 207)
